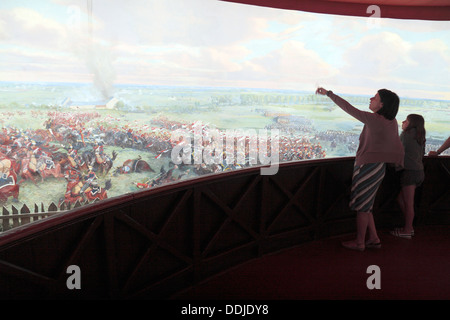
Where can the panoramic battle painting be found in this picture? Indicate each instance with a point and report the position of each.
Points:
(103, 98)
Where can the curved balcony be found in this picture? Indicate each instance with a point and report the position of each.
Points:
(155, 244)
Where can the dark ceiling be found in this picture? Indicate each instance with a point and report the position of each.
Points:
(397, 9)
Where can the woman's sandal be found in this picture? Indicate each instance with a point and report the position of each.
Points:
(400, 234)
(352, 246)
(373, 245)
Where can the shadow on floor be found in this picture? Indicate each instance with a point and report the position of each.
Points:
(417, 269)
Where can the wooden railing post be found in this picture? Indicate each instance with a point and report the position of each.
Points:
(5, 222)
(26, 219)
(15, 219)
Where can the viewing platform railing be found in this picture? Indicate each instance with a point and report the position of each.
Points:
(155, 243)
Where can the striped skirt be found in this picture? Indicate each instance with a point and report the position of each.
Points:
(365, 182)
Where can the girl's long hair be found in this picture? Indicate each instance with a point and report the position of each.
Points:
(417, 121)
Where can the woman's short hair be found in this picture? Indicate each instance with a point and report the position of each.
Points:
(390, 102)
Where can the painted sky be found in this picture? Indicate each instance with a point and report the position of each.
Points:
(215, 43)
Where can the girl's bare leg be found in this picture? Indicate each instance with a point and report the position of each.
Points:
(408, 210)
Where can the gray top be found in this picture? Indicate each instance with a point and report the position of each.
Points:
(413, 150)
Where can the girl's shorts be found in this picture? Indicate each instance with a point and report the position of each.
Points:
(365, 183)
(411, 177)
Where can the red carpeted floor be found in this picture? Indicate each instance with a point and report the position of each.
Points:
(417, 269)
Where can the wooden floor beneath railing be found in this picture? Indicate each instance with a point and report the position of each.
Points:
(409, 269)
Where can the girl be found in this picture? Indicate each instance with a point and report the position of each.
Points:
(412, 175)
(379, 143)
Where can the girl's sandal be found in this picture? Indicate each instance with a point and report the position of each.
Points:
(401, 229)
(400, 234)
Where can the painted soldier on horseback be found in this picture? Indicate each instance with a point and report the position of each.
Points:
(75, 160)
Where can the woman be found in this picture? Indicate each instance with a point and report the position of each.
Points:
(412, 175)
(379, 143)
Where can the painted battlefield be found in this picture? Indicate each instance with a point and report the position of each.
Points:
(67, 143)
